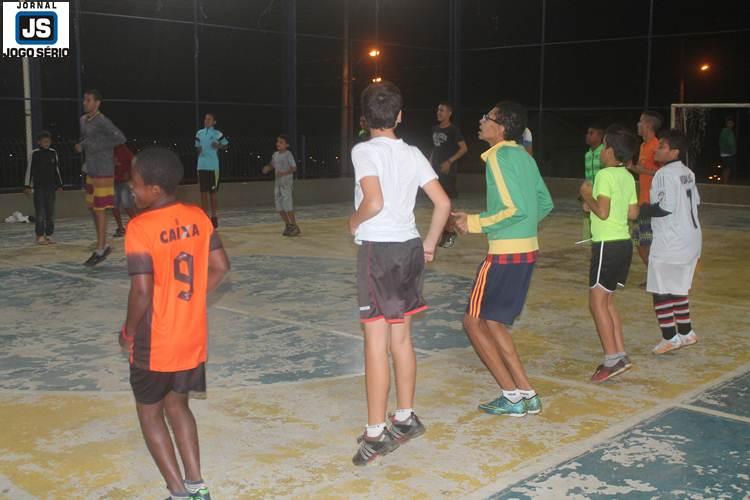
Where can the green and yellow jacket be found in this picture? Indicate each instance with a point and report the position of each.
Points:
(517, 199)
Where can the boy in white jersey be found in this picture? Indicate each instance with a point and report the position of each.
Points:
(677, 241)
(390, 265)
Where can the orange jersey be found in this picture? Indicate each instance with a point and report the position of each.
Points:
(172, 243)
(646, 159)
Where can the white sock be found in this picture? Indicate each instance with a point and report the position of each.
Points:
(527, 394)
(194, 486)
(100, 251)
(513, 396)
(402, 415)
(375, 430)
(685, 336)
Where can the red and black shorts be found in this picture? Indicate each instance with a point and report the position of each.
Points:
(150, 387)
(390, 277)
(500, 287)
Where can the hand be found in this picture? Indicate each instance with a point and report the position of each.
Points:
(429, 251)
(266, 169)
(215, 145)
(586, 189)
(586, 208)
(27, 190)
(126, 339)
(445, 167)
(353, 225)
(78, 147)
(59, 190)
(461, 221)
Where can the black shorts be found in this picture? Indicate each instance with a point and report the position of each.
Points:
(208, 180)
(449, 184)
(610, 264)
(390, 277)
(150, 387)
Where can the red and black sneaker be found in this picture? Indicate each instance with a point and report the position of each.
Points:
(604, 373)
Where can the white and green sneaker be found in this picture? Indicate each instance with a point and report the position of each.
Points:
(503, 406)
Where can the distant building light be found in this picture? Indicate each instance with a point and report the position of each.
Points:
(377, 79)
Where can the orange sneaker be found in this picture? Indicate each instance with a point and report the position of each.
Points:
(689, 339)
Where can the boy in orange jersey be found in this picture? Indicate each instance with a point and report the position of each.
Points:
(174, 259)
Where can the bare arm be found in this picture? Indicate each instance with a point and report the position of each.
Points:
(371, 205)
(462, 150)
(440, 215)
(599, 206)
(139, 298)
(633, 211)
(218, 267)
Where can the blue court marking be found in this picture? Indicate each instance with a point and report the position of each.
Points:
(677, 454)
(59, 328)
(732, 397)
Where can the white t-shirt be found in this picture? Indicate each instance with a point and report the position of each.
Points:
(283, 162)
(401, 170)
(677, 236)
(528, 139)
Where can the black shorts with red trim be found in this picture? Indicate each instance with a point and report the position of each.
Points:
(500, 287)
(390, 277)
(150, 387)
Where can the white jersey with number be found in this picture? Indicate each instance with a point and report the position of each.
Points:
(677, 236)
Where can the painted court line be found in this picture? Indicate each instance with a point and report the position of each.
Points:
(558, 457)
(715, 413)
(78, 276)
(311, 326)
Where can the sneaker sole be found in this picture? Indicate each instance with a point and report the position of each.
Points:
(659, 353)
(614, 374)
(491, 412)
(688, 344)
(533, 412)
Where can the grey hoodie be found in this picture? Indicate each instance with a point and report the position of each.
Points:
(99, 136)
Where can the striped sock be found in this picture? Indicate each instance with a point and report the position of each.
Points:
(664, 308)
(682, 315)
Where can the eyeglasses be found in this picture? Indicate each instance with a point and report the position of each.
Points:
(486, 117)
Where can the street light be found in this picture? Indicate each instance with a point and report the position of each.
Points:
(374, 52)
(705, 67)
(377, 79)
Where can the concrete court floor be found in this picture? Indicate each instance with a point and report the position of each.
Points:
(286, 391)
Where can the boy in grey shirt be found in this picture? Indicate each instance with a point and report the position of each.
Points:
(284, 167)
(99, 136)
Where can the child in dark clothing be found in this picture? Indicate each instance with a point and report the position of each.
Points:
(43, 175)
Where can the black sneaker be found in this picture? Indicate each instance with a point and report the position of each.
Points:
(443, 238)
(215, 221)
(98, 259)
(372, 448)
(287, 229)
(294, 230)
(410, 428)
(119, 233)
(450, 241)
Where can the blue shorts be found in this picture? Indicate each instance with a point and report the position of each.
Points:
(500, 288)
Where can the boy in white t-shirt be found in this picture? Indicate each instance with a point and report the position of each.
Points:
(677, 240)
(390, 265)
(284, 167)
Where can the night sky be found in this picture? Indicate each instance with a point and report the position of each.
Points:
(241, 75)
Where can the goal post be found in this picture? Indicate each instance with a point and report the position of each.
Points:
(700, 122)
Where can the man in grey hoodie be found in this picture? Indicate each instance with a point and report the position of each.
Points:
(99, 136)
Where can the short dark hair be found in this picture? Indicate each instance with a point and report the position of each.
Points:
(43, 134)
(381, 104)
(284, 137)
(447, 104)
(622, 141)
(95, 94)
(676, 140)
(598, 126)
(513, 117)
(161, 167)
(656, 119)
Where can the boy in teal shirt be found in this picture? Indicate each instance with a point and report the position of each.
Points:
(612, 201)
(517, 200)
(208, 142)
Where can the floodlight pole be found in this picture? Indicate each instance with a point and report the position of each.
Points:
(454, 56)
(290, 80)
(346, 82)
